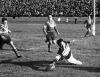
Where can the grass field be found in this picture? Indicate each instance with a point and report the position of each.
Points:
(29, 40)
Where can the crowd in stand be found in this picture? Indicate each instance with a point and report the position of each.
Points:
(45, 7)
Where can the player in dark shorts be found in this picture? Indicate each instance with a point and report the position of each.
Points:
(5, 36)
(88, 25)
(49, 30)
(64, 52)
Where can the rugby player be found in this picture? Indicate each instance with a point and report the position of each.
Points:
(88, 25)
(49, 30)
(5, 37)
(64, 52)
(4, 26)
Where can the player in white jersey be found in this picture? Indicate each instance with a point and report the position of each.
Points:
(4, 26)
(64, 52)
(88, 25)
(49, 30)
(5, 37)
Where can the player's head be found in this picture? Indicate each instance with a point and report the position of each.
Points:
(59, 41)
(50, 17)
(89, 16)
(4, 20)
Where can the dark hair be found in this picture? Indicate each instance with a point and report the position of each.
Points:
(59, 41)
(3, 19)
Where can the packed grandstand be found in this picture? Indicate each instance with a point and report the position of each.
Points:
(44, 7)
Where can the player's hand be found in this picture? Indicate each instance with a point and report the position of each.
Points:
(9, 31)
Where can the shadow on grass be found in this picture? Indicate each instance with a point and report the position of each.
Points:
(82, 68)
(36, 65)
(41, 65)
(97, 49)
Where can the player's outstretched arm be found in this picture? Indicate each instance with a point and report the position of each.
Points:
(9, 31)
(44, 30)
(56, 30)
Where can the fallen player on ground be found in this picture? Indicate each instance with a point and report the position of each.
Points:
(64, 52)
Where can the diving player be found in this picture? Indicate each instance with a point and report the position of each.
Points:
(64, 52)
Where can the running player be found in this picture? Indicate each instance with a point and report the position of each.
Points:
(5, 37)
(88, 25)
(49, 30)
(64, 52)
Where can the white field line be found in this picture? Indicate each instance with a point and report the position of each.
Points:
(33, 48)
(30, 24)
(97, 55)
(43, 37)
(14, 39)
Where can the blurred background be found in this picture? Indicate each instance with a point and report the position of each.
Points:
(68, 8)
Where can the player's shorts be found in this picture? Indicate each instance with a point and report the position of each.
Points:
(5, 38)
(88, 26)
(50, 36)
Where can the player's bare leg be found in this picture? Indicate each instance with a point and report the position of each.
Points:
(15, 50)
(1, 46)
(1, 43)
(49, 45)
(87, 33)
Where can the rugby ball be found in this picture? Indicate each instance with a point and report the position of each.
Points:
(50, 67)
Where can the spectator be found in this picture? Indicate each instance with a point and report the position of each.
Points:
(56, 8)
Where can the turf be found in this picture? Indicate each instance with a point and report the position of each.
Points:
(29, 40)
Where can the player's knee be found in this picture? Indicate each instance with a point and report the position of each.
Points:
(54, 41)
